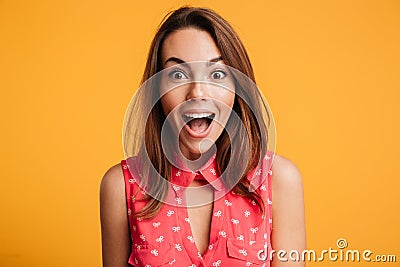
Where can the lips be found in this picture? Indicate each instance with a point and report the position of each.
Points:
(198, 124)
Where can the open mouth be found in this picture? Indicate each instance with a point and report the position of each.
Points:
(198, 122)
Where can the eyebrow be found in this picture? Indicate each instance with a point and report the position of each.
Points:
(180, 61)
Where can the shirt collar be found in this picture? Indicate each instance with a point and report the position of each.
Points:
(209, 171)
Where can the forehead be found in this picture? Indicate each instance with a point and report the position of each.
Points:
(189, 44)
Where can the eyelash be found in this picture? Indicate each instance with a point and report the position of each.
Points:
(221, 71)
(175, 71)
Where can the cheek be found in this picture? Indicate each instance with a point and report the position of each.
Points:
(232, 100)
(167, 104)
(173, 98)
(228, 98)
(225, 96)
(170, 100)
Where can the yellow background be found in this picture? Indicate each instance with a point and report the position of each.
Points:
(329, 69)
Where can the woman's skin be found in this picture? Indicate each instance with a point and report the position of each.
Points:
(198, 97)
(288, 233)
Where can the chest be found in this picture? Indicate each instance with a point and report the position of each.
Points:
(227, 231)
(199, 199)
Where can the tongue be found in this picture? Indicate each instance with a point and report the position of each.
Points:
(198, 125)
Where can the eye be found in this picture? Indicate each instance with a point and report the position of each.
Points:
(177, 75)
(218, 74)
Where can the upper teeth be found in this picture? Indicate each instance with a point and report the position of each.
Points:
(198, 115)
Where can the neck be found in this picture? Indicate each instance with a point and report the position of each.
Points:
(196, 161)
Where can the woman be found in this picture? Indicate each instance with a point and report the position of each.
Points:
(197, 179)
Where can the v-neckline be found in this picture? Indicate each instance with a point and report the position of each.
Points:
(218, 209)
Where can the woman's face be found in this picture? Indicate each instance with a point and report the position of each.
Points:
(196, 97)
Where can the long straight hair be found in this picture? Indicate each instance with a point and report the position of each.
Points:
(234, 55)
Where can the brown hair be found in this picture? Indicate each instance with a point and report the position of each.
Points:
(234, 55)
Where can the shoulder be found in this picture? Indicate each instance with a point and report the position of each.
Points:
(113, 176)
(287, 184)
(285, 174)
(112, 196)
(287, 194)
(288, 216)
(115, 234)
(112, 183)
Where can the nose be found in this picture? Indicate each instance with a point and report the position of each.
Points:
(197, 91)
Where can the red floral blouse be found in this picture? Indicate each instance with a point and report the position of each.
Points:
(239, 234)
